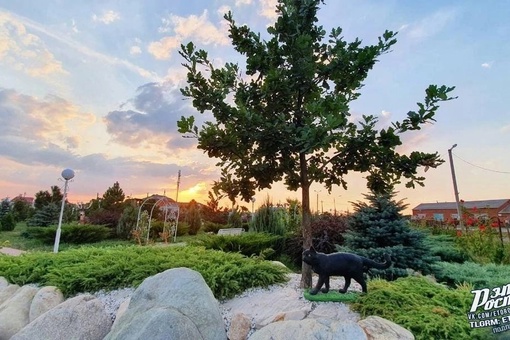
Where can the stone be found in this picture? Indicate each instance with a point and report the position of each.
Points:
(8, 292)
(310, 329)
(378, 328)
(334, 311)
(14, 312)
(240, 326)
(3, 282)
(174, 304)
(81, 317)
(44, 300)
(122, 309)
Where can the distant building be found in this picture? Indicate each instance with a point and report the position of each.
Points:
(447, 211)
(29, 200)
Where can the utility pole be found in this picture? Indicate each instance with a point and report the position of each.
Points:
(317, 191)
(455, 190)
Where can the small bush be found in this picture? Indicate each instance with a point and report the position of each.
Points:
(269, 219)
(72, 234)
(248, 244)
(445, 247)
(429, 310)
(92, 269)
(480, 276)
(484, 246)
(211, 227)
(182, 229)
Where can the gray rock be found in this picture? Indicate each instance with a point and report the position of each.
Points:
(3, 282)
(378, 328)
(81, 317)
(14, 311)
(44, 300)
(175, 304)
(122, 309)
(7, 292)
(310, 329)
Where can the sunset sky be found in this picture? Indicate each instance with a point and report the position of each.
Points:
(94, 86)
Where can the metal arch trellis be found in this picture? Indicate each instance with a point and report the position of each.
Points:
(171, 211)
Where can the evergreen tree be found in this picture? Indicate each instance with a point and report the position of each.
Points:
(5, 207)
(113, 197)
(7, 222)
(127, 222)
(46, 216)
(378, 227)
(21, 210)
(56, 194)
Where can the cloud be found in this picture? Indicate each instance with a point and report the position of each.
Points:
(240, 3)
(431, 25)
(196, 28)
(134, 50)
(79, 47)
(24, 51)
(150, 118)
(268, 9)
(487, 65)
(52, 117)
(107, 17)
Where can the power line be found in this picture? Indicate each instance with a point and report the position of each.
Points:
(481, 167)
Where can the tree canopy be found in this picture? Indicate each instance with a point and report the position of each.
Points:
(287, 117)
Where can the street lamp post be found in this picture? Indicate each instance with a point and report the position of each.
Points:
(67, 174)
(456, 191)
(317, 191)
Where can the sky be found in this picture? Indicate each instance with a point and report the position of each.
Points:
(94, 86)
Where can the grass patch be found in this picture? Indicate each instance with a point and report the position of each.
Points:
(331, 296)
(428, 309)
(89, 269)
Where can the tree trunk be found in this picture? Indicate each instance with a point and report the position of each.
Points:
(306, 270)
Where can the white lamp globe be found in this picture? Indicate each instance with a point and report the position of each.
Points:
(67, 174)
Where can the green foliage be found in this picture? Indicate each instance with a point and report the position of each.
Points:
(248, 244)
(235, 219)
(21, 210)
(73, 234)
(446, 248)
(182, 229)
(113, 197)
(480, 276)
(429, 310)
(5, 207)
(127, 222)
(378, 228)
(269, 219)
(7, 222)
(45, 216)
(484, 245)
(193, 218)
(91, 269)
(211, 227)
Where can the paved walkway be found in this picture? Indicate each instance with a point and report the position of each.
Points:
(11, 251)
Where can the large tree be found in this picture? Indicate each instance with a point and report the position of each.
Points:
(287, 118)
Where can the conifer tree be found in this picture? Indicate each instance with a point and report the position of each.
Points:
(378, 227)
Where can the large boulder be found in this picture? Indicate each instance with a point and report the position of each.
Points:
(81, 317)
(7, 292)
(378, 328)
(14, 312)
(310, 329)
(44, 300)
(175, 304)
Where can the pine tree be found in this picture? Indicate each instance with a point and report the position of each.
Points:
(378, 227)
(193, 218)
(46, 216)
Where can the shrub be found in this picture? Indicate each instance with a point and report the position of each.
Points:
(211, 227)
(446, 248)
(484, 245)
(7, 222)
(193, 218)
(91, 269)
(269, 219)
(480, 276)
(182, 229)
(248, 244)
(73, 234)
(429, 310)
(327, 231)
